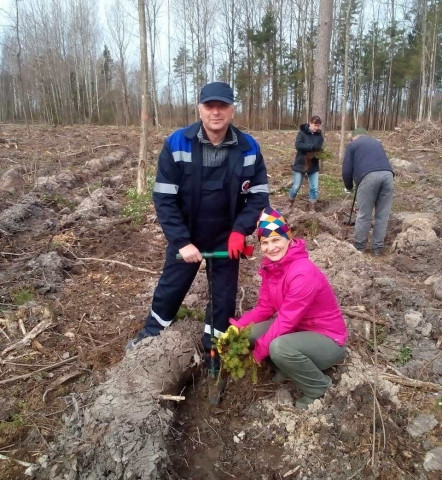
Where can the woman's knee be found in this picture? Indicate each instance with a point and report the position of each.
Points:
(279, 348)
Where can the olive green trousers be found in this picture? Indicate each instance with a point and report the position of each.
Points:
(301, 357)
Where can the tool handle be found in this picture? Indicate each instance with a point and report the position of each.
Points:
(221, 254)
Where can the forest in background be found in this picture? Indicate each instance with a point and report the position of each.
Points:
(68, 61)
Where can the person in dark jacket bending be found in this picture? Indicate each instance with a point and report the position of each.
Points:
(210, 189)
(308, 144)
(366, 163)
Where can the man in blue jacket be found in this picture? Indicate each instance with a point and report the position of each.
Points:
(210, 189)
(366, 163)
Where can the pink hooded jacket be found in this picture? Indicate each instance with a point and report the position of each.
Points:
(296, 289)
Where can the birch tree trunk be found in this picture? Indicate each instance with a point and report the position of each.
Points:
(320, 78)
(345, 92)
(388, 108)
(433, 56)
(152, 28)
(305, 60)
(142, 160)
(20, 74)
(423, 82)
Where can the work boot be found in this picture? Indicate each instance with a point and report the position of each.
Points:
(377, 253)
(141, 335)
(312, 206)
(217, 385)
(279, 377)
(306, 400)
(291, 201)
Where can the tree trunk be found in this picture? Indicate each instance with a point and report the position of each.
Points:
(142, 160)
(433, 56)
(388, 108)
(345, 92)
(126, 413)
(320, 79)
(423, 83)
(20, 75)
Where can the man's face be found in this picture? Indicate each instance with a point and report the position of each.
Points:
(216, 115)
(314, 127)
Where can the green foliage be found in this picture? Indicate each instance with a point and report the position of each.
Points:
(56, 200)
(20, 297)
(404, 355)
(9, 428)
(137, 205)
(381, 335)
(331, 187)
(325, 155)
(234, 350)
(185, 312)
(312, 228)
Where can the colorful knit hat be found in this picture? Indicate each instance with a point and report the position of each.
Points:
(272, 223)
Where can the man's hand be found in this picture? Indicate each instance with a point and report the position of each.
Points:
(235, 245)
(190, 254)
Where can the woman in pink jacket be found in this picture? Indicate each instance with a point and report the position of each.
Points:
(297, 321)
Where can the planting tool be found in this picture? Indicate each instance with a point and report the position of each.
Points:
(351, 213)
(248, 252)
(212, 371)
(209, 256)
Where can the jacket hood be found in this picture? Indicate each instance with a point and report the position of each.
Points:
(295, 251)
(304, 128)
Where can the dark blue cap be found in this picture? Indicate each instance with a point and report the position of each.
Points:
(217, 91)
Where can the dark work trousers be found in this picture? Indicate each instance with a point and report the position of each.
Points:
(175, 282)
(210, 233)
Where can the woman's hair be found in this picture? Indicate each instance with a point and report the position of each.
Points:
(316, 120)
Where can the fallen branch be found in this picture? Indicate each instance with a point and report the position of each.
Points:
(174, 398)
(41, 327)
(9, 141)
(20, 462)
(363, 316)
(422, 149)
(61, 380)
(104, 146)
(44, 369)
(5, 334)
(411, 382)
(74, 154)
(116, 262)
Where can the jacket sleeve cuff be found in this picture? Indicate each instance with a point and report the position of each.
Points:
(260, 352)
(181, 243)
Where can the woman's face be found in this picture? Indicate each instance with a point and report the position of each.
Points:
(314, 127)
(274, 248)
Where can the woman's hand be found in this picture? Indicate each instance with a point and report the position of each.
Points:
(235, 323)
(258, 362)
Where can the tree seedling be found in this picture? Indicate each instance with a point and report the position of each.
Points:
(404, 355)
(235, 353)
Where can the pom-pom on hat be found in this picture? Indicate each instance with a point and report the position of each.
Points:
(272, 223)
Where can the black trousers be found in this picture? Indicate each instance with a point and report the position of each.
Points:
(175, 282)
